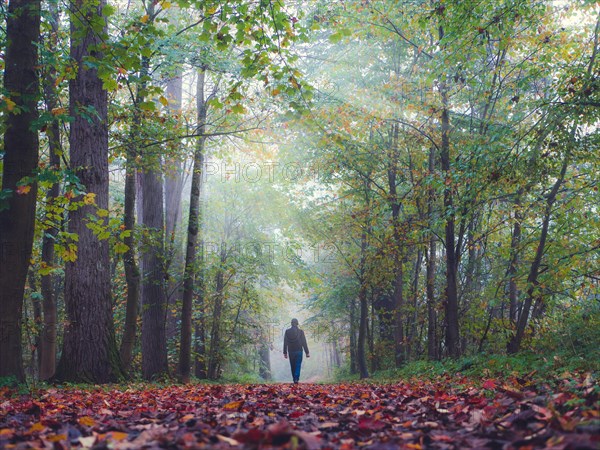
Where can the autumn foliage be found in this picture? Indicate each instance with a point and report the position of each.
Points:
(452, 412)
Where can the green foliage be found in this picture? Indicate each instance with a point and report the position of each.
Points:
(527, 365)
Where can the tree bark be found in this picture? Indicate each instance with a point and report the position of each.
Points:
(130, 263)
(89, 348)
(264, 354)
(154, 301)
(515, 342)
(364, 311)
(17, 219)
(173, 191)
(412, 326)
(398, 250)
(515, 242)
(451, 300)
(173, 175)
(132, 271)
(214, 354)
(48, 339)
(432, 344)
(353, 345)
(191, 260)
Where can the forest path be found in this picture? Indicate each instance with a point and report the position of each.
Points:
(448, 413)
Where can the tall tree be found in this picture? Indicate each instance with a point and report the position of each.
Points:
(89, 350)
(48, 340)
(191, 259)
(21, 146)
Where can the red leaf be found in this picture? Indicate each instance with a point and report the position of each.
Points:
(489, 384)
(370, 424)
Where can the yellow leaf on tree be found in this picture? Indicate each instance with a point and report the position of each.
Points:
(145, 18)
(89, 198)
(58, 111)
(10, 105)
(163, 100)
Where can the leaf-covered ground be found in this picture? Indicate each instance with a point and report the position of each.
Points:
(447, 413)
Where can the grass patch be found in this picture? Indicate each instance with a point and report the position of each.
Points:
(538, 368)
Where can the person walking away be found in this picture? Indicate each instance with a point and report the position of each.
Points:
(294, 342)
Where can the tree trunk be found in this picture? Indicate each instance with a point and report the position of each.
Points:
(515, 242)
(191, 260)
(48, 340)
(35, 363)
(353, 346)
(214, 354)
(432, 344)
(89, 348)
(154, 301)
(397, 250)
(451, 300)
(173, 190)
(412, 327)
(514, 344)
(371, 334)
(132, 272)
(364, 311)
(17, 218)
(265, 359)
(173, 174)
(130, 263)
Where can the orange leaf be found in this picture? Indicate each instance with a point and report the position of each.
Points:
(117, 435)
(87, 421)
(22, 190)
(37, 427)
(57, 437)
(233, 405)
(58, 111)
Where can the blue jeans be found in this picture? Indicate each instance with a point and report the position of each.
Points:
(295, 363)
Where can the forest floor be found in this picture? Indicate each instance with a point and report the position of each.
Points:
(445, 413)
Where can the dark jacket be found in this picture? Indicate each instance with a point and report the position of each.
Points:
(294, 340)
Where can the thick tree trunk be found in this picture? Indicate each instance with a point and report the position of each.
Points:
(48, 338)
(191, 260)
(89, 348)
(154, 301)
(17, 219)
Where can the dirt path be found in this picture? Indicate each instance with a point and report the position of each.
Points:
(448, 414)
